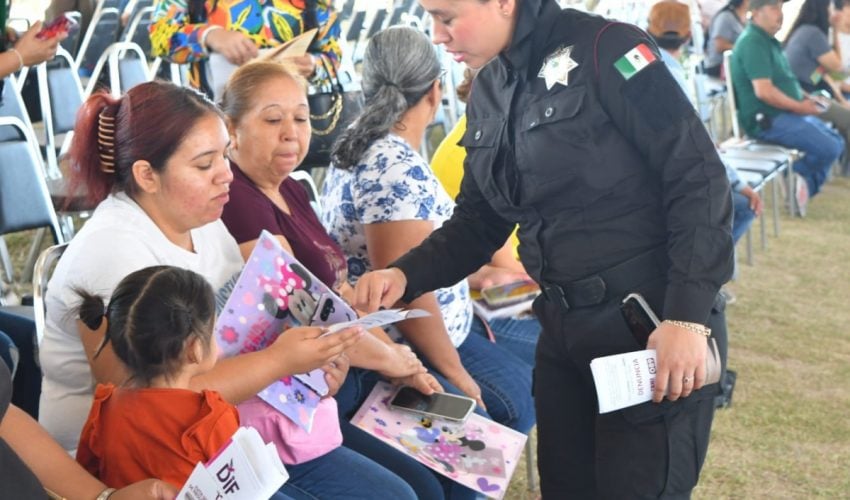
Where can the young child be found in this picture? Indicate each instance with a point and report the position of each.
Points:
(160, 325)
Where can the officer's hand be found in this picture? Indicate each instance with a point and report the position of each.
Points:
(379, 289)
(681, 361)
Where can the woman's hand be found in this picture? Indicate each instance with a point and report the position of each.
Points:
(335, 373)
(152, 489)
(233, 45)
(422, 382)
(378, 289)
(34, 50)
(464, 381)
(756, 204)
(305, 349)
(305, 65)
(681, 361)
(402, 363)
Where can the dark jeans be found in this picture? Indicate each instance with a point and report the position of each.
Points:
(646, 451)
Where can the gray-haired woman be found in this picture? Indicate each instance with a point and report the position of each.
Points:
(389, 200)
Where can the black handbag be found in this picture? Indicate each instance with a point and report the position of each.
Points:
(332, 109)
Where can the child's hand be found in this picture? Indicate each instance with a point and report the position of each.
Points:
(304, 349)
(335, 373)
(422, 382)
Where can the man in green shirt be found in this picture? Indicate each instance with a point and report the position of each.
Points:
(771, 104)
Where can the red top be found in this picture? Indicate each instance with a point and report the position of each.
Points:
(136, 434)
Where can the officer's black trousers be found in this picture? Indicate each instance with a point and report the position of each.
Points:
(647, 451)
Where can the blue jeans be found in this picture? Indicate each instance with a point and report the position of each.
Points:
(343, 473)
(821, 145)
(426, 483)
(517, 335)
(742, 215)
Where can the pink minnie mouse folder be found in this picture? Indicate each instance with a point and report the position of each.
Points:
(275, 292)
(478, 453)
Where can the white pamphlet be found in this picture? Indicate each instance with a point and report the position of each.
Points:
(380, 318)
(246, 468)
(624, 380)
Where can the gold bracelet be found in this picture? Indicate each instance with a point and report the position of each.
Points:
(691, 327)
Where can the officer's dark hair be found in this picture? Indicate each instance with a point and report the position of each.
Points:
(399, 67)
(153, 312)
(814, 12)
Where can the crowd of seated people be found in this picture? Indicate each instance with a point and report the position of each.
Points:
(184, 188)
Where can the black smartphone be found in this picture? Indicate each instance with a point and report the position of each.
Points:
(640, 317)
(439, 404)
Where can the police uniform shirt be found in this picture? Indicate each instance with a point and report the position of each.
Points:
(597, 161)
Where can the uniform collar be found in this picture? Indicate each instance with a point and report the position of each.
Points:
(531, 25)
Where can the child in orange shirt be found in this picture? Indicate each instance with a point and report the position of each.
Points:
(160, 325)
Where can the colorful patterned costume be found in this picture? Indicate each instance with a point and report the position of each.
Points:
(267, 22)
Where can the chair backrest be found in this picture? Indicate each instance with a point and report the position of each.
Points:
(138, 29)
(127, 66)
(61, 95)
(377, 23)
(730, 93)
(12, 104)
(24, 199)
(103, 30)
(356, 26)
(305, 179)
(44, 266)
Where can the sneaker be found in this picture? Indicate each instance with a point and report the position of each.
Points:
(801, 195)
(728, 296)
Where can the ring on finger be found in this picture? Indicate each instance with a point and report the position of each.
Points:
(686, 380)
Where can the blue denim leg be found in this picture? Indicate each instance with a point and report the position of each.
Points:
(742, 215)
(343, 473)
(517, 335)
(821, 145)
(504, 379)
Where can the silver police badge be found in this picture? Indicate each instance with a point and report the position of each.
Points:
(557, 66)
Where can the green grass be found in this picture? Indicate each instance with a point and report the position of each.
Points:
(787, 434)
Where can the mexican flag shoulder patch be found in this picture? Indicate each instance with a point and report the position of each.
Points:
(634, 60)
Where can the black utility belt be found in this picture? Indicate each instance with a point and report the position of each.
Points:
(609, 283)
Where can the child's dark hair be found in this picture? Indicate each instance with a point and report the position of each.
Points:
(151, 315)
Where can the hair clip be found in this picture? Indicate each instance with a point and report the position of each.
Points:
(106, 142)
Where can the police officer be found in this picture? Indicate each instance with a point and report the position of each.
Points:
(578, 133)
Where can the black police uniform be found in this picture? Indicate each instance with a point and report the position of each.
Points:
(617, 188)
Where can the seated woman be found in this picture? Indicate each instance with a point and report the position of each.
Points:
(386, 201)
(154, 159)
(268, 118)
(725, 27)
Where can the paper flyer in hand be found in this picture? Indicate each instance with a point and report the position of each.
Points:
(219, 68)
(628, 379)
(275, 292)
(478, 453)
(246, 468)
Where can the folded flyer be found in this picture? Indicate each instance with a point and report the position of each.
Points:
(246, 468)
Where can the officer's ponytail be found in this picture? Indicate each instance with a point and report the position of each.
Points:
(399, 67)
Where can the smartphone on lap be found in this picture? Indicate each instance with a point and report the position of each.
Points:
(438, 405)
